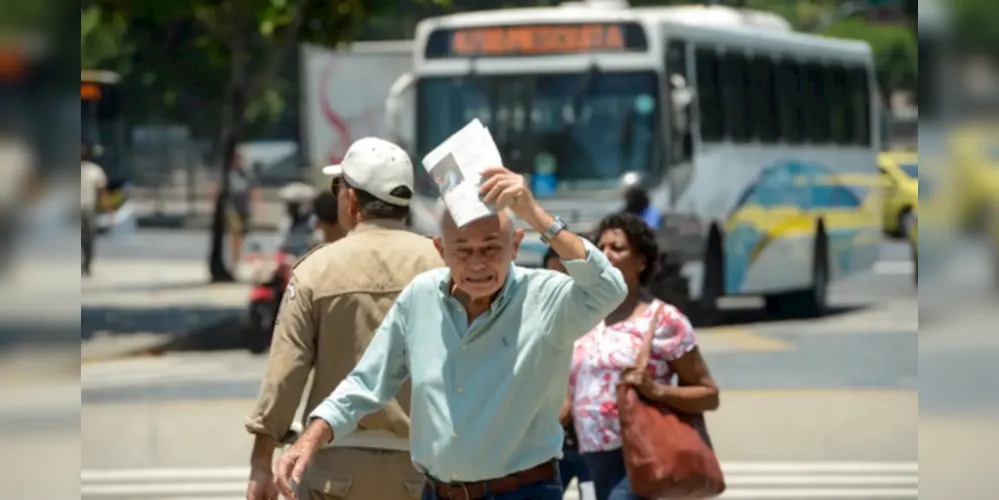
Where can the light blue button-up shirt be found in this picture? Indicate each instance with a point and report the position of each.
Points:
(486, 396)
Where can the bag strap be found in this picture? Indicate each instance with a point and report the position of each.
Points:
(642, 361)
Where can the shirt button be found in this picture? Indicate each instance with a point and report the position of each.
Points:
(454, 435)
(463, 347)
(460, 389)
(454, 476)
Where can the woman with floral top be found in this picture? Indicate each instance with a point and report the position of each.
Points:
(613, 346)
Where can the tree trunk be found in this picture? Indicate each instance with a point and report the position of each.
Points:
(232, 133)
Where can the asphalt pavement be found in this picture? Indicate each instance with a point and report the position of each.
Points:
(824, 408)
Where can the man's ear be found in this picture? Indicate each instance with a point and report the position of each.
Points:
(518, 238)
(439, 244)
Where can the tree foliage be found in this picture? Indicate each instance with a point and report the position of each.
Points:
(895, 51)
(974, 23)
(231, 52)
(104, 41)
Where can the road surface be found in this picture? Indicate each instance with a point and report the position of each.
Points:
(826, 408)
(813, 408)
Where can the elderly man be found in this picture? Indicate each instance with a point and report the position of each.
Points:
(338, 295)
(487, 346)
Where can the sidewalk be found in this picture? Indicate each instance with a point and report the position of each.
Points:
(132, 306)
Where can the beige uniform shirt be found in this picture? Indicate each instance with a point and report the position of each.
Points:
(337, 297)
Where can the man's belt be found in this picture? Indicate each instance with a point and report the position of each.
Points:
(506, 484)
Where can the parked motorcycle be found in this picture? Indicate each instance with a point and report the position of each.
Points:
(269, 275)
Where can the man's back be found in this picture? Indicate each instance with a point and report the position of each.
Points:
(356, 281)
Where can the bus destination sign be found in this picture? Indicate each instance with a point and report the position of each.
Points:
(533, 40)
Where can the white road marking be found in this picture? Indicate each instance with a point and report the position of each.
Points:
(772, 480)
(889, 267)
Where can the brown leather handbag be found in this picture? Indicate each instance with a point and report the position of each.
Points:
(668, 454)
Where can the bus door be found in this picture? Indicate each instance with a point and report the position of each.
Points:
(681, 234)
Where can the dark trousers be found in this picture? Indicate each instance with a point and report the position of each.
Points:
(87, 240)
(609, 475)
(571, 466)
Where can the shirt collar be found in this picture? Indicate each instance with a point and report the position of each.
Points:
(379, 224)
(501, 298)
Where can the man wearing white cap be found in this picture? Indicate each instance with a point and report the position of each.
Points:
(337, 297)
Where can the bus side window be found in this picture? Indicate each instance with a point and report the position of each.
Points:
(860, 94)
(763, 106)
(712, 122)
(786, 86)
(820, 99)
(735, 84)
(840, 115)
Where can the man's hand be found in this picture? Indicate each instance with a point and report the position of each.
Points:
(262, 486)
(503, 188)
(290, 467)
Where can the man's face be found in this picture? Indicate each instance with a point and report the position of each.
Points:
(479, 255)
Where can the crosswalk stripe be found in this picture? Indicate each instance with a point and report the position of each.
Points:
(893, 267)
(748, 480)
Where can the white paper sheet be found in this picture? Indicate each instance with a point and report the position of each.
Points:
(456, 167)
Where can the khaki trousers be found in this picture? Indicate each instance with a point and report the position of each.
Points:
(361, 474)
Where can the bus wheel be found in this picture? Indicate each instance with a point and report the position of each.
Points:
(812, 302)
(713, 286)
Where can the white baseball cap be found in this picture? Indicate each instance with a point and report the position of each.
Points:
(376, 166)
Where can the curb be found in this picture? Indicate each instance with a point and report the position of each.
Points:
(220, 335)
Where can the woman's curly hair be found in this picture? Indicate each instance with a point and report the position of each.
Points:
(641, 238)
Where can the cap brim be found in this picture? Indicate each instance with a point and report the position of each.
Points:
(333, 170)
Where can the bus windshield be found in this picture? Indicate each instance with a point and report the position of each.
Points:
(580, 130)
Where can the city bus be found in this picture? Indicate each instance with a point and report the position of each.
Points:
(757, 144)
(102, 126)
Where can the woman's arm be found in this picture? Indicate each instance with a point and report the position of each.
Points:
(696, 392)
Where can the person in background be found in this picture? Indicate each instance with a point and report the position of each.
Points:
(600, 357)
(244, 196)
(296, 228)
(636, 201)
(572, 464)
(325, 218)
(93, 197)
(337, 296)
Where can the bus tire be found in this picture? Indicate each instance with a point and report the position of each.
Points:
(713, 284)
(812, 302)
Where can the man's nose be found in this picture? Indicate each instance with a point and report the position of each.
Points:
(477, 261)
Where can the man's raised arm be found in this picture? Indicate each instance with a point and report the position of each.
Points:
(578, 304)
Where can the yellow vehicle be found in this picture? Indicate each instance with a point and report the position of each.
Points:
(975, 150)
(899, 171)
